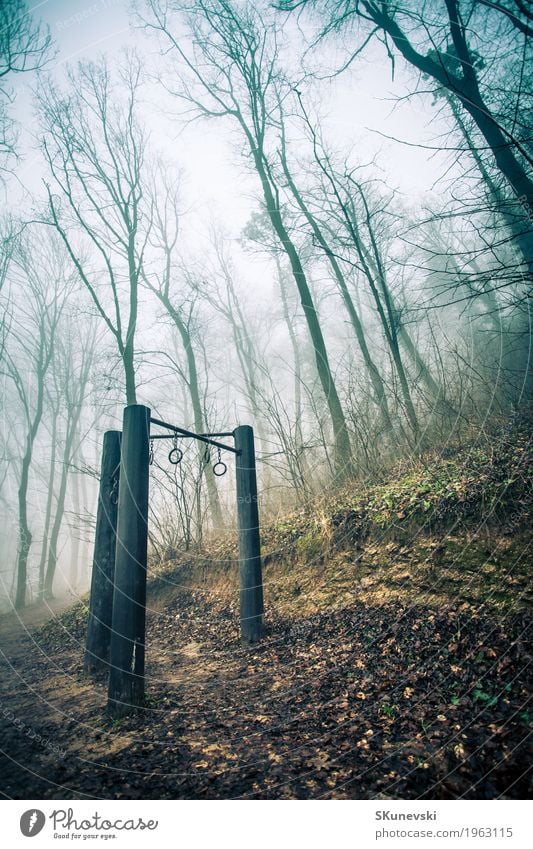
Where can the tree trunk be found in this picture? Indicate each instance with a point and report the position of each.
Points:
(25, 535)
(465, 88)
(48, 509)
(74, 554)
(375, 275)
(244, 348)
(373, 371)
(58, 520)
(71, 429)
(522, 237)
(200, 423)
(516, 175)
(343, 451)
(85, 542)
(303, 479)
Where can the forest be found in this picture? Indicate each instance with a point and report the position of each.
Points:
(314, 217)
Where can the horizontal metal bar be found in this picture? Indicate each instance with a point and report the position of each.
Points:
(223, 433)
(172, 436)
(191, 435)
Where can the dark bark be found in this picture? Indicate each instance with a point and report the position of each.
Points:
(49, 502)
(343, 451)
(465, 88)
(519, 224)
(373, 371)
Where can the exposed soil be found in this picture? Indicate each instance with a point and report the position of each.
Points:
(373, 698)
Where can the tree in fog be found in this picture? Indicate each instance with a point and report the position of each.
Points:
(38, 286)
(166, 277)
(94, 146)
(72, 366)
(450, 42)
(462, 47)
(357, 228)
(322, 241)
(218, 284)
(230, 59)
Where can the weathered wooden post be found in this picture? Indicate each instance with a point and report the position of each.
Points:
(126, 678)
(103, 575)
(250, 578)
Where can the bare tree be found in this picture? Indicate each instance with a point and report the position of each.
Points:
(351, 210)
(230, 55)
(445, 30)
(170, 284)
(25, 45)
(94, 146)
(73, 363)
(39, 282)
(219, 287)
(53, 402)
(340, 278)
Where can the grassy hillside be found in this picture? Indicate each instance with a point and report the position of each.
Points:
(434, 529)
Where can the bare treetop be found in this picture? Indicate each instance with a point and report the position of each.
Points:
(25, 45)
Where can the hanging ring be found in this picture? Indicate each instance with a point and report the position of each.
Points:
(222, 468)
(175, 455)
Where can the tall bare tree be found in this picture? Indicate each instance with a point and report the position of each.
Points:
(322, 242)
(230, 58)
(73, 363)
(168, 280)
(94, 146)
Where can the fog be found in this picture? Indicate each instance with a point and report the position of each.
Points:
(235, 213)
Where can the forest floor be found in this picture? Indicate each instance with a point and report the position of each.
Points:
(395, 662)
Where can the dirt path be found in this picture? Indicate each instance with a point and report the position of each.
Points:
(16, 622)
(383, 702)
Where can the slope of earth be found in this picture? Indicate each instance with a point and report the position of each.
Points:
(395, 663)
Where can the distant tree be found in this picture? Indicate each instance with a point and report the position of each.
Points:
(52, 404)
(219, 287)
(39, 284)
(72, 366)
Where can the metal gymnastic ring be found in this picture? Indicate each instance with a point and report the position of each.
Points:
(223, 466)
(175, 456)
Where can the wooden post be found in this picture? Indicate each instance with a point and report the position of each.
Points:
(103, 576)
(126, 678)
(251, 582)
